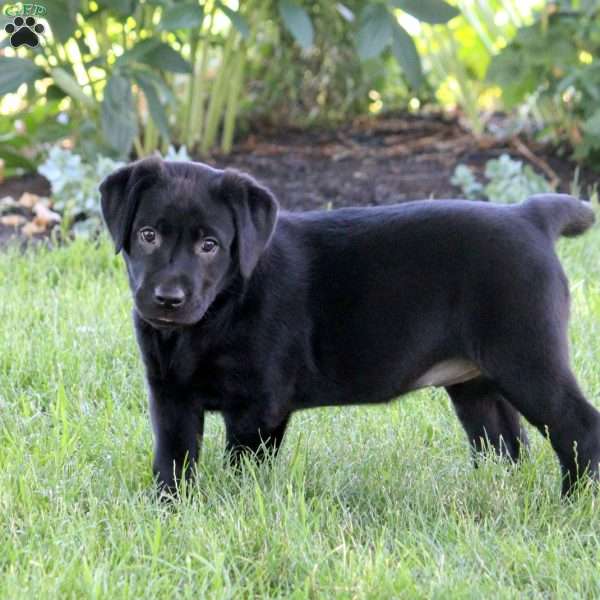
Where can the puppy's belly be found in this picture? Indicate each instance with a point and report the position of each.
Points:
(447, 372)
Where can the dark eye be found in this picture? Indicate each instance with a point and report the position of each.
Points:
(148, 235)
(208, 246)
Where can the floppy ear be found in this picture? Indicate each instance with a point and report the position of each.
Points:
(120, 193)
(255, 214)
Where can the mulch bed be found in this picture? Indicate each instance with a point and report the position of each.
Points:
(370, 162)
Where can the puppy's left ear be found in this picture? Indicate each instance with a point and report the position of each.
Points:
(120, 193)
(255, 214)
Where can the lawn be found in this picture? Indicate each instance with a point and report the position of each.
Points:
(362, 502)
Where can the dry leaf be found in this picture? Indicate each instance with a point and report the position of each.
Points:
(29, 200)
(32, 228)
(12, 220)
(44, 216)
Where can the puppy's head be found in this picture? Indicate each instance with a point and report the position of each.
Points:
(185, 230)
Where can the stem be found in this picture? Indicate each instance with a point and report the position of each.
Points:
(470, 14)
(139, 149)
(514, 15)
(489, 19)
(215, 107)
(196, 120)
(233, 100)
(164, 147)
(124, 39)
(187, 109)
(150, 137)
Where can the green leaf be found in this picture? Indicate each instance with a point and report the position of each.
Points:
(406, 54)
(514, 75)
(138, 51)
(430, 11)
(99, 61)
(15, 140)
(40, 114)
(62, 18)
(297, 22)
(592, 125)
(119, 124)
(71, 86)
(152, 51)
(51, 131)
(163, 89)
(15, 160)
(375, 31)
(123, 7)
(157, 111)
(236, 20)
(54, 92)
(181, 16)
(165, 58)
(16, 71)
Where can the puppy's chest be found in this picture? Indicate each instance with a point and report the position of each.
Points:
(219, 376)
(217, 381)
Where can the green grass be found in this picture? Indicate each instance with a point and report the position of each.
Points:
(363, 502)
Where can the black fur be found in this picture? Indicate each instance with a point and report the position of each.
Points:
(346, 306)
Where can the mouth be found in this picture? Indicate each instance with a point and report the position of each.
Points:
(169, 321)
(163, 322)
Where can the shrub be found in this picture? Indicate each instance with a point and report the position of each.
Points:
(553, 64)
(135, 76)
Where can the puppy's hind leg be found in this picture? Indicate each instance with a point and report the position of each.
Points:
(549, 398)
(488, 419)
(537, 380)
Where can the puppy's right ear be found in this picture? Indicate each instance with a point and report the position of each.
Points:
(120, 193)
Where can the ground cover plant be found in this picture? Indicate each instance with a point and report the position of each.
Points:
(509, 181)
(78, 517)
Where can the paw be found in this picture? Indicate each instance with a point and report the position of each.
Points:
(24, 31)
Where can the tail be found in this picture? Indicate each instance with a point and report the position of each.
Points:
(559, 214)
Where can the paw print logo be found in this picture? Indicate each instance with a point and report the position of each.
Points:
(24, 31)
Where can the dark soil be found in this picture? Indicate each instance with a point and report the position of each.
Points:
(369, 162)
(32, 183)
(381, 161)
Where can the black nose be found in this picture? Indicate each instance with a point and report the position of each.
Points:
(169, 297)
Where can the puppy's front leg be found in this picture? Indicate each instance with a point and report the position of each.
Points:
(178, 428)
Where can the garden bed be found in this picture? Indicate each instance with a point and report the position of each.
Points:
(368, 162)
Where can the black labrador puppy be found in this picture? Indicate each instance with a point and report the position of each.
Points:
(257, 313)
